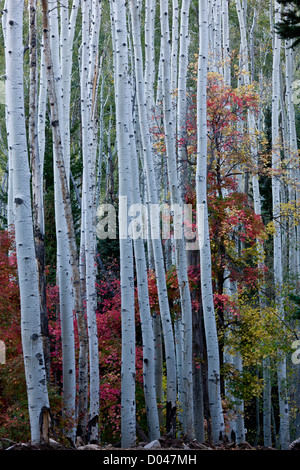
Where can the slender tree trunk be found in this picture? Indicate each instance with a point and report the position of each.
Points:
(150, 8)
(174, 46)
(89, 85)
(292, 150)
(42, 105)
(267, 404)
(217, 420)
(156, 241)
(37, 182)
(144, 308)
(123, 116)
(65, 46)
(180, 251)
(226, 44)
(63, 256)
(278, 278)
(182, 92)
(67, 214)
(10, 208)
(35, 371)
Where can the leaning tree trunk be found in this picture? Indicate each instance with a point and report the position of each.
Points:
(35, 372)
(217, 420)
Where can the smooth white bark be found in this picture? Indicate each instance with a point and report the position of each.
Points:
(277, 242)
(38, 402)
(182, 91)
(66, 299)
(144, 305)
(91, 19)
(156, 241)
(213, 365)
(180, 252)
(123, 116)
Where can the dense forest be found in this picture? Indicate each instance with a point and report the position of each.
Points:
(149, 222)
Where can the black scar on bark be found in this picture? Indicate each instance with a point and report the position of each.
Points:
(171, 420)
(91, 424)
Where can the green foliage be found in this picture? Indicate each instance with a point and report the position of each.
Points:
(296, 300)
(289, 26)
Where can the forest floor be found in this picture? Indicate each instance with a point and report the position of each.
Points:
(163, 444)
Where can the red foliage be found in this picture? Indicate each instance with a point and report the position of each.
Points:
(10, 329)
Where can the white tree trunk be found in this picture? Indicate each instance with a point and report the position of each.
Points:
(174, 47)
(123, 116)
(70, 246)
(42, 105)
(35, 372)
(66, 299)
(37, 181)
(182, 91)
(278, 277)
(89, 85)
(180, 251)
(156, 241)
(226, 43)
(267, 404)
(150, 8)
(292, 150)
(66, 39)
(217, 419)
(144, 305)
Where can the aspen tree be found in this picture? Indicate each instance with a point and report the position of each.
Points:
(180, 252)
(277, 242)
(37, 180)
(217, 420)
(10, 208)
(65, 46)
(35, 371)
(156, 241)
(182, 90)
(144, 303)
(292, 149)
(138, 234)
(150, 9)
(123, 116)
(252, 125)
(182, 153)
(225, 43)
(294, 180)
(174, 45)
(63, 255)
(91, 19)
(42, 105)
(67, 215)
